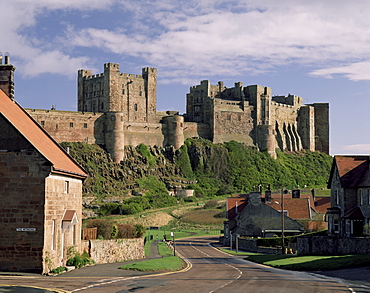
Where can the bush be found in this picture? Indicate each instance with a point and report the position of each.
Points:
(211, 204)
(59, 270)
(110, 209)
(105, 227)
(79, 260)
(125, 231)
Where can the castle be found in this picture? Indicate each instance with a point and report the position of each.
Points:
(117, 109)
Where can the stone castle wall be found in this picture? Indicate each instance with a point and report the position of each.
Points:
(118, 109)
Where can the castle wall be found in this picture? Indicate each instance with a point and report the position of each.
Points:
(71, 126)
(149, 134)
(192, 129)
(306, 127)
(322, 127)
(231, 122)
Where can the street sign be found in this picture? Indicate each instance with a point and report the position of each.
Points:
(25, 229)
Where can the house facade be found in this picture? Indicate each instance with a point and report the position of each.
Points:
(40, 195)
(249, 216)
(349, 182)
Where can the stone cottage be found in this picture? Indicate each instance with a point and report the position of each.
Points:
(40, 194)
(349, 182)
(249, 216)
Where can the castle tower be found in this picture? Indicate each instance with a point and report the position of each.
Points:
(112, 88)
(175, 131)
(7, 75)
(114, 136)
(150, 85)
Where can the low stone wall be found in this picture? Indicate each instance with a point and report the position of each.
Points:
(117, 250)
(251, 245)
(323, 245)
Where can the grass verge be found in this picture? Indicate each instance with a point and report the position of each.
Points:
(168, 263)
(306, 263)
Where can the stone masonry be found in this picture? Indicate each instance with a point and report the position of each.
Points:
(117, 109)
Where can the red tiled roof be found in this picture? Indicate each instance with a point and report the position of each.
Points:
(322, 204)
(235, 205)
(38, 137)
(298, 208)
(353, 171)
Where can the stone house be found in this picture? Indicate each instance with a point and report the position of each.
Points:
(349, 182)
(40, 194)
(248, 215)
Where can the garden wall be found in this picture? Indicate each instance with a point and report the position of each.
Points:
(251, 246)
(116, 250)
(320, 245)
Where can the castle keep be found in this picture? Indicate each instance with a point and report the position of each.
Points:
(117, 109)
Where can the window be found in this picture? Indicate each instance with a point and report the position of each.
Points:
(85, 125)
(135, 107)
(66, 186)
(123, 91)
(42, 123)
(71, 124)
(336, 197)
(53, 235)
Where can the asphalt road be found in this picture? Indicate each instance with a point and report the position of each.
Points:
(208, 270)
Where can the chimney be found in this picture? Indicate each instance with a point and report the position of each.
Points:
(7, 75)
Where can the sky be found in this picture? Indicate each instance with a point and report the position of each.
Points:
(318, 50)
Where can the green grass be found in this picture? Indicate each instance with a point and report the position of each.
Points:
(306, 263)
(240, 253)
(164, 250)
(169, 263)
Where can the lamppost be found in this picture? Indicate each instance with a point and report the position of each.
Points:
(282, 222)
(282, 219)
(173, 243)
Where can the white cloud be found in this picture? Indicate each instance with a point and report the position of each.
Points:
(54, 62)
(355, 71)
(355, 149)
(199, 38)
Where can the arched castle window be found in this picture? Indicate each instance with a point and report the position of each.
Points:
(102, 105)
(135, 107)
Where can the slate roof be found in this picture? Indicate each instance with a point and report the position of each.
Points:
(353, 171)
(39, 138)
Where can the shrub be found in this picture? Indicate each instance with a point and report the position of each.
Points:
(211, 204)
(110, 209)
(125, 231)
(79, 260)
(59, 270)
(105, 227)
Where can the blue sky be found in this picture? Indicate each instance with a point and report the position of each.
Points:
(319, 50)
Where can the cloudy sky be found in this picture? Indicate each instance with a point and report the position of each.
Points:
(319, 50)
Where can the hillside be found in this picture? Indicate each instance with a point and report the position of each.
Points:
(210, 169)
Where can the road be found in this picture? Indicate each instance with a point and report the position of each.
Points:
(209, 270)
